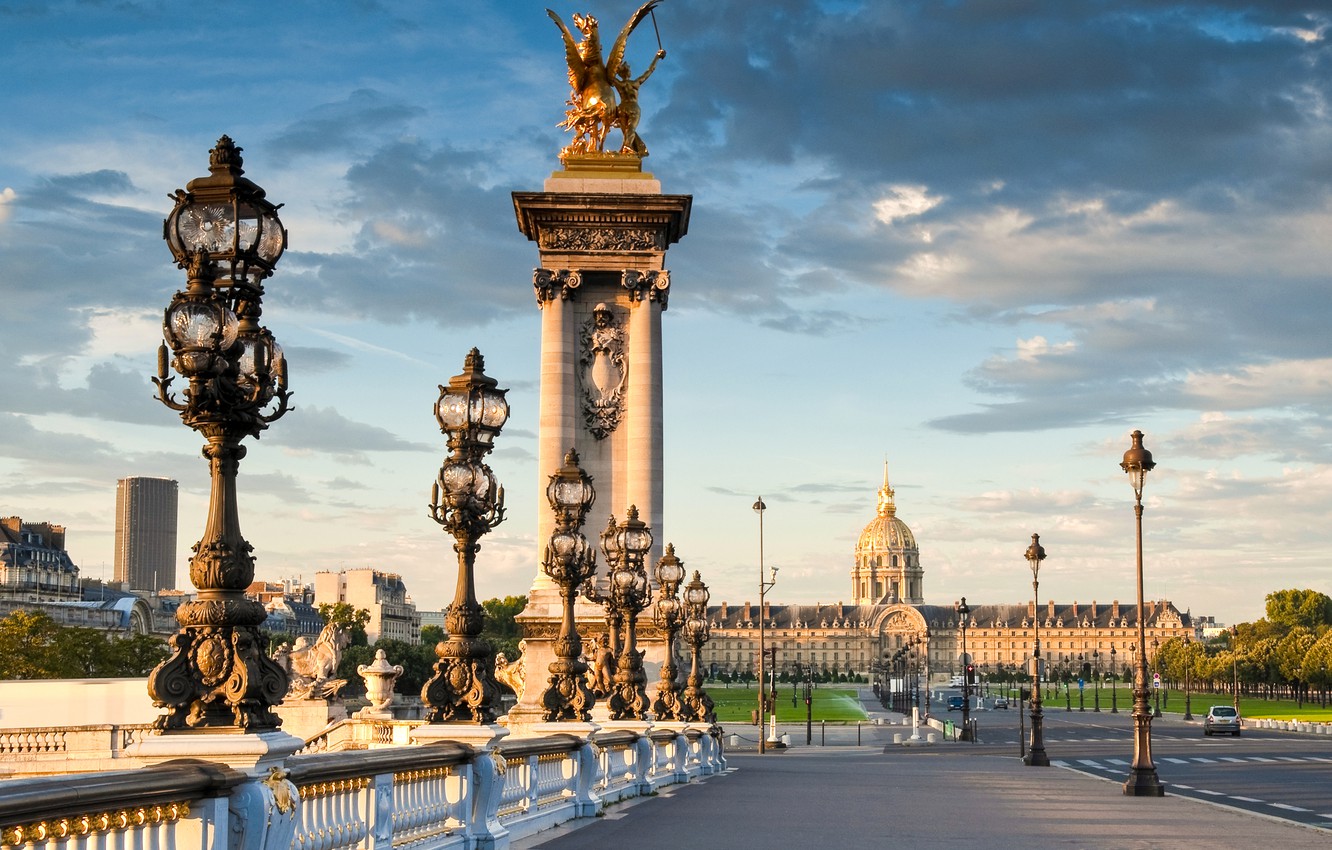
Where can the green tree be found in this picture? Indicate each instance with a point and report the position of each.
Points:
(501, 629)
(353, 619)
(431, 635)
(1299, 608)
(33, 646)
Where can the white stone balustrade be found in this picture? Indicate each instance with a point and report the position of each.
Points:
(434, 796)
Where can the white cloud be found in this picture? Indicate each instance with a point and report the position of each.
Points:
(7, 198)
(1280, 384)
(904, 202)
(1038, 346)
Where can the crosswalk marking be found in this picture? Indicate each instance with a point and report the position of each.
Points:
(1211, 793)
(1244, 799)
(1202, 760)
(1232, 758)
(1175, 761)
(1287, 807)
(1119, 762)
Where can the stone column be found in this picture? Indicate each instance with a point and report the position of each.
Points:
(558, 408)
(647, 291)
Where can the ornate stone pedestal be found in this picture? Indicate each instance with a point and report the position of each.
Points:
(252, 753)
(602, 227)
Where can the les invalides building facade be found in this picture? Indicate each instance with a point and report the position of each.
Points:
(887, 611)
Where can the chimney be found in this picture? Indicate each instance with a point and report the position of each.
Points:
(723, 611)
(1075, 611)
(1031, 610)
(1051, 613)
(1114, 610)
(746, 615)
(1093, 612)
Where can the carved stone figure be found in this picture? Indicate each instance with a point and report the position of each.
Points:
(311, 666)
(513, 674)
(604, 368)
(593, 104)
(603, 668)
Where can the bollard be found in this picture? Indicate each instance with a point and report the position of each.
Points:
(897, 737)
(857, 733)
(734, 742)
(786, 740)
(932, 738)
(823, 733)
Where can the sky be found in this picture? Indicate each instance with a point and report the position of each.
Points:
(980, 242)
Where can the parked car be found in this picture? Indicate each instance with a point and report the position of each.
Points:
(1001, 702)
(1222, 718)
(955, 703)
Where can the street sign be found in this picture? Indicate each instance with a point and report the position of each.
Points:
(1080, 684)
(1156, 681)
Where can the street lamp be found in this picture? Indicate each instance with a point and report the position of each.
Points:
(1096, 671)
(1142, 780)
(1114, 688)
(1234, 666)
(764, 586)
(1036, 756)
(569, 561)
(669, 616)
(1156, 668)
(695, 704)
(1188, 680)
(963, 614)
(467, 501)
(1083, 667)
(228, 238)
(625, 545)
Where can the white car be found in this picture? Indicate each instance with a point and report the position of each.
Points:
(1221, 718)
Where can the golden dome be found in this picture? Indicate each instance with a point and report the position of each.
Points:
(885, 532)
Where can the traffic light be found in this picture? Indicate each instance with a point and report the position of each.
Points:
(971, 674)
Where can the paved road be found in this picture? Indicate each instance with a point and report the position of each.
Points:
(1223, 792)
(956, 796)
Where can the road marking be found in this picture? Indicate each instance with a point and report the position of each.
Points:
(1289, 758)
(1287, 807)
(1119, 762)
(1202, 760)
(1090, 763)
(1185, 787)
(1176, 761)
(1211, 793)
(1326, 815)
(1233, 759)
(1060, 763)
(1319, 758)
(1246, 799)
(1261, 759)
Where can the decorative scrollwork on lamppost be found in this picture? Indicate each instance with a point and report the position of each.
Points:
(625, 545)
(669, 617)
(569, 561)
(228, 238)
(467, 501)
(695, 704)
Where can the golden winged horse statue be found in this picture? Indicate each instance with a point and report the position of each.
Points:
(604, 93)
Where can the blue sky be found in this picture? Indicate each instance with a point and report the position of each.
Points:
(984, 240)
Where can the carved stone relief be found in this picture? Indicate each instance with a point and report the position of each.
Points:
(655, 285)
(600, 239)
(605, 368)
(550, 283)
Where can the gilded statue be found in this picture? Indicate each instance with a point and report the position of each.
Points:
(605, 92)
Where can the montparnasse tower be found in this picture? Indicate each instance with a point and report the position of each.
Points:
(887, 567)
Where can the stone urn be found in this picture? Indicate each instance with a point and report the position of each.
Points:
(379, 678)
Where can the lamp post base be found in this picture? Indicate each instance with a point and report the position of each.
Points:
(1143, 783)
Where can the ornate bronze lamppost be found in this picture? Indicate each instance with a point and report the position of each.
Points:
(1036, 756)
(963, 616)
(1142, 780)
(228, 237)
(569, 561)
(625, 545)
(1114, 688)
(468, 502)
(695, 704)
(669, 617)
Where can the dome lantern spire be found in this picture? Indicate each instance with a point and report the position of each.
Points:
(887, 507)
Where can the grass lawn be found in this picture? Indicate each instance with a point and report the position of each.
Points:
(830, 702)
(1172, 701)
